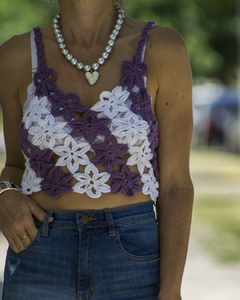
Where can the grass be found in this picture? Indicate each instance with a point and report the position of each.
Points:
(216, 215)
(215, 163)
(217, 222)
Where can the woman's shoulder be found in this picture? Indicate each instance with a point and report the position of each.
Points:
(165, 48)
(166, 39)
(162, 40)
(14, 52)
(15, 60)
(15, 66)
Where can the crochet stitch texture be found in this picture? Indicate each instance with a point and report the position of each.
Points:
(119, 131)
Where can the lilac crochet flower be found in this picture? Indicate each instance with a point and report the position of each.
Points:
(65, 105)
(155, 165)
(30, 182)
(125, 181)
(72, 154)
(90, 127)
(109, 153)
(40, 160)
(48, 132)
(112, 103)
(150, 185)
(92, 182)
(132, 73)
(44, 80)
(56, 183)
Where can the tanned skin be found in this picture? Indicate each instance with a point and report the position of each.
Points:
(169, 82)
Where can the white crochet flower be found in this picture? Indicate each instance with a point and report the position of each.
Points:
(72, 154)
(31, 90)
(92, 182)
(140, 156)
(36, 110)
(150, 185)
(30, 182)
(48, 132)
(112, 103)
(130, 128)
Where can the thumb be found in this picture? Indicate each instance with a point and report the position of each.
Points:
(37, 211)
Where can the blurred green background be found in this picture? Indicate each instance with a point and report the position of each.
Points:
(210, 30)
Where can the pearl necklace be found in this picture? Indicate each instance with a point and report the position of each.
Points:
(91, 72)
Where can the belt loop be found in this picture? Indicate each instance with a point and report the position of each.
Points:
(45, 226)
(110, 222)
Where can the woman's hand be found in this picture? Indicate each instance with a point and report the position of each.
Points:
(16, 221)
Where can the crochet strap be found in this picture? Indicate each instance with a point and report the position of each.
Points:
(139, 57)
(39, 46)
(33, 53)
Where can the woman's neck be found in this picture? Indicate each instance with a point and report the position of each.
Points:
(87, 22)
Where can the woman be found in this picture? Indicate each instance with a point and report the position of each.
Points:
(89, 148)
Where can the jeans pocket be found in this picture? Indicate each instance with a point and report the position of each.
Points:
(34, 242)
(139, 240)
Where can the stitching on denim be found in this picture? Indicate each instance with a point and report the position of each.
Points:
(93, 264)
(79, 249)
(136, 257)
(135, 221)
(66, 227)
(101, 226)
(132, 256)
(124, 223)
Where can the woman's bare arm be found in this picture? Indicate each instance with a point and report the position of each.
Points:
(16, 209)
(174, 113)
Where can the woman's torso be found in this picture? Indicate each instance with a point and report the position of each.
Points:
(71, 80)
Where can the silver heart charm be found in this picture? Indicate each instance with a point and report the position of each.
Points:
(92, 78)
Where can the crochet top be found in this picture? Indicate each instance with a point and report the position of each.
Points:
(118, 132)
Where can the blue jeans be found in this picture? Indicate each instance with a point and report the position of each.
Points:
(110, 254)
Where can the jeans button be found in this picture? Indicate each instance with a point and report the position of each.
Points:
(85, 219)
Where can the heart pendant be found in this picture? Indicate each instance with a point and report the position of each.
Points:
(92, 78)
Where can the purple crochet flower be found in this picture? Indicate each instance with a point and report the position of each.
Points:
(40, 160)
(153, 135)
(125, 181)
(109, 153)
(141, 103)
(23, 141)
(65, 105)
(56, 182)
(90, 127)
(132, 73)
(44, 81)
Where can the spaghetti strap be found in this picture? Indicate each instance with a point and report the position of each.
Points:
(34, 53)
(39, 47)
(139, 56)
(146, 40)
(133, 71)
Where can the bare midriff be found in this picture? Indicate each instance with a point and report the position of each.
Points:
(75, 201)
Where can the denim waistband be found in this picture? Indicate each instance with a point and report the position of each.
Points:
(84, 219)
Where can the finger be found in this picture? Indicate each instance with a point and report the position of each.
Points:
(12, 244)
(31, 230)
(26, 241)
(16, 244)
(37, 211)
